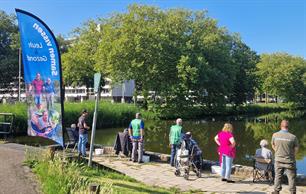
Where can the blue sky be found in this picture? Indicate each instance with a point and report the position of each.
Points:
(265, 25)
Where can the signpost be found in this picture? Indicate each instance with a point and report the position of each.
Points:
(97, 79)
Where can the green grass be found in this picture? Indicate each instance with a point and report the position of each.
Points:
(109, 114)
(117, 114)
(202, 111)
(59, 176)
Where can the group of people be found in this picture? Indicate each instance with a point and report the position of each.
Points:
(44, 116)
(38, 87)
(284, 144)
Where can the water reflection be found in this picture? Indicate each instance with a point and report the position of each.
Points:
(248, 133)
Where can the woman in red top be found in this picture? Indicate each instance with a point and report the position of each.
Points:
(226, 150)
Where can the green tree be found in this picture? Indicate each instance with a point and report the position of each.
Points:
(63, 43)
(9, 44)
(283, 75)
(181, 55)
(246, 80)
(177, 53)
(78, 61)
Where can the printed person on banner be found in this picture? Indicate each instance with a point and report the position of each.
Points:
(36, 88)
(49, 92)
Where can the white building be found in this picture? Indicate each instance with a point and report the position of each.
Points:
(116, 93)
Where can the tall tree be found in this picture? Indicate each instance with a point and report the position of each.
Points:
(63, 43)
(246, 81)
(9, 44)
(181, 55)
(177, 53)
(282, 75)
(78, 61)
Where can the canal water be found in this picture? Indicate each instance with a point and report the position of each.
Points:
(248, 131)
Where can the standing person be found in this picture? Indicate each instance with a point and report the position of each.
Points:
(175, 138)
(37, 84)
(83, 133)
(285, 146)
(49, 92)
(136, 132)
(227, 151)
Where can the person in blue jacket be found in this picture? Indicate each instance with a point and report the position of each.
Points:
(49, 93)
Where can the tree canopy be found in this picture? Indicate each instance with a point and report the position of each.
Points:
(283, 75)
(9, 44)
(78, 62)
(178, 58)
(179, 54)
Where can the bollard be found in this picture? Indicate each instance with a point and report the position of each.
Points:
(94, 188)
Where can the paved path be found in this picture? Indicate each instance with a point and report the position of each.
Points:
(160, 174)
(14, 177)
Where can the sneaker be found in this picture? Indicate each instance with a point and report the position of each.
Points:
(140, 162)
(223, 179)
(230, 181)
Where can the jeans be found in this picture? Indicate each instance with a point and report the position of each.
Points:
(83, 139)
(137, 145)
(226, 166)
(49, 99)
(37, 99)
(290, 169)
(174, 148)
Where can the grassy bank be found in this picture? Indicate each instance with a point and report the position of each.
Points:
(58, 176)
(202, 112)
(110, 115)
(115, 115)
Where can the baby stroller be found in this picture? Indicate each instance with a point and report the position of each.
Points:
(188, 157)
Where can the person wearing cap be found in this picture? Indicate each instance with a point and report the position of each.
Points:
(136, 132)
(83, 133)
(175, 138)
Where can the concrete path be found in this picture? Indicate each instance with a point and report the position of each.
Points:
(15, 178)
(160, 174)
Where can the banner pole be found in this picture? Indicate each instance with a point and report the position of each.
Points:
(19, 75)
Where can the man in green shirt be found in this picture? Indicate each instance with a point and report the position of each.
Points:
(285, 146)
(136, 132)
(175, 138)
